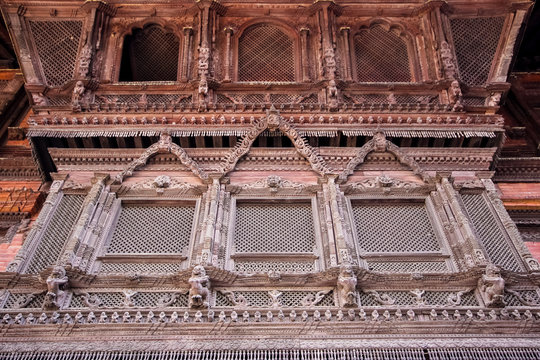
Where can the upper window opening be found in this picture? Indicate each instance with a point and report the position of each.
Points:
(266, 53)
(381, 56)
(150, 54)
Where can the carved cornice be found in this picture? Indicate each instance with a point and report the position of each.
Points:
(517, 169)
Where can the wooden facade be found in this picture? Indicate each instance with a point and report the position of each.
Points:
(277, 179)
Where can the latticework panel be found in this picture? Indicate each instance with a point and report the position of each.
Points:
(152, 229)
(528, 298)
(140, 299)
(394, 228)
(140, 268)
(287, 298)
(56, 233)
(57, 44)
(265, 53)
(275, 228)
(476, 41)
(408, 266)
(153, 54)
(489, 232)
(279, 266)
(381, 56)
(406, 298)
(26, 301)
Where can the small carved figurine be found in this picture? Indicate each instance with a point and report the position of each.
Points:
(203, 89)
(78, 92)
(55, 295)
(198, 292)
(332, 94)
(491, 287)
(346, 286)
(455, 95)
(494, 99)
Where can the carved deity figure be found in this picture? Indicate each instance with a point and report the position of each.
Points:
(40, 99)
(494, 99)
(455, 95)
(85, 59)
(55, 296)
(491, 287)
(346, 286)
(447, 60)
(78, 92)
(198, 291)
(332, 92)
(203, 88)
(379, 141)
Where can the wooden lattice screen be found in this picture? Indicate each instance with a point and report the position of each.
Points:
(265, 53)
(57, 44)
(381, 56)
(476, 41)
(150, 54)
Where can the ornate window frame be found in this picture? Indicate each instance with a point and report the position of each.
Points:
(263, 192)
(402, 193)
(405, 35)
(291, 33)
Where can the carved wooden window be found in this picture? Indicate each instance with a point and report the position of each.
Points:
(476, 41)
(273, 236)
(490, 232)
(149, 238)
(399, 236)
(56, 233)
(150, 54)
(266, 53)
(381, 56)
(57, 45)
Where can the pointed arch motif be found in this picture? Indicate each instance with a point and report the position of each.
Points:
(164, 145)
(273, 121)
(380, 144)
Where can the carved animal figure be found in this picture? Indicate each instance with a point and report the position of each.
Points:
(491, 287)
(55, 295)
(346, 286)
(198, 292)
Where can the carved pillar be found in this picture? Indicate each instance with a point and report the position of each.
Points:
(304, 32)
(326, 11)
(347, 64)
(510, 226)
(465, 237)
(186, 53)
(343, 252)
(503, 63)
(25, 58)
(228, 54)
(89, 210)
(34, 236)
(204, 256)
(208, 15)
(332, 245)
(219, 227)
(99, 14)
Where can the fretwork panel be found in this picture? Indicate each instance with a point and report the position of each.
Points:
(274, 228)
(394, 228)
(476, 41)
(152, 230)
(56, 233)
(381, 56)
(265, 53)
(489, 232)
(57, 44)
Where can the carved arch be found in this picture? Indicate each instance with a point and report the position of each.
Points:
(167, 48)
(164, 145)
(266, 67)
(380, 144)
(395, 35)
(273, 121)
